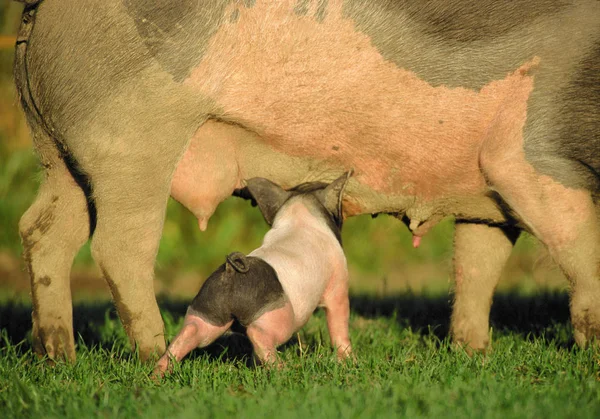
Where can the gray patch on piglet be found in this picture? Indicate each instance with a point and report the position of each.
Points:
(243, 288)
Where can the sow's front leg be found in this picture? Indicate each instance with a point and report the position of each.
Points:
(480, 253)
(565, 220)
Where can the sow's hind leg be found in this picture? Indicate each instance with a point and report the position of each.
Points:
(131, 185)
(53, 230)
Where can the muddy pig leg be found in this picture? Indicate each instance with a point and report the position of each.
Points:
(53, 230)
(480, 253)
(337, 311)
(130, 214)
(130, 172)
(196, 333)
(565, 220)
(271, 330)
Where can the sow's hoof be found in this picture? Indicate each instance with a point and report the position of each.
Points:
(55, 343)
(470, 349)
(471, 337)
(586, 325)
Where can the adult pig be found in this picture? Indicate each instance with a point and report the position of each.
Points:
(486, 111)
(275, 289)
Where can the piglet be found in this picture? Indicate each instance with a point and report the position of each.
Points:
(274, 290)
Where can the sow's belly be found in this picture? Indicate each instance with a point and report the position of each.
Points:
(222, 156)
(311, 98)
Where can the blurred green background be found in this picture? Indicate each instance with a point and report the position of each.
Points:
(380, 254)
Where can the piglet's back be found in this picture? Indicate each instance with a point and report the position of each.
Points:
(305, 254)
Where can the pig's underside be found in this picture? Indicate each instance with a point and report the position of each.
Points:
(487, 111)
(296, 95)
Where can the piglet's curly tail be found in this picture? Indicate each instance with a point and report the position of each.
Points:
(238, 262)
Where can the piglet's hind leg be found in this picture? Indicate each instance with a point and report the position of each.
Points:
(270, 330)
(195, 333)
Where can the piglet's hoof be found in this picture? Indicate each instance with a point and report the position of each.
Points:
(345, 355)
(276, 366)
(157, 375)
(163, 366)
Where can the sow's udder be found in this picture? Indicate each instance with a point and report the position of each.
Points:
(220, 156)
(207, 173)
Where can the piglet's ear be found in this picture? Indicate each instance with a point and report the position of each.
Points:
(269, 197)
(331, 196)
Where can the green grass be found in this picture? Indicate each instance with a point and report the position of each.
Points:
(405, 366)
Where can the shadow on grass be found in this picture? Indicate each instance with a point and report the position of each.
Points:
(532, 316)
(528, 315)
